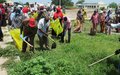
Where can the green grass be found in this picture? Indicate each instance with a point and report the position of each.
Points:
(74, 58)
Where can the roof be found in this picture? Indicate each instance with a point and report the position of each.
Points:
(101, 2)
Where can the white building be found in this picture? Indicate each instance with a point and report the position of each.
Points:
(92, 5)
(9, 1)
(119, 5)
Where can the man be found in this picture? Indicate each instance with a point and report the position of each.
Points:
(1, 33)
(43, 25)
(3, 15)
(17, 19)
(57, 14)
(117, 13)
(25, 9)
(41, 13)
(29, 30)
(36, 6)
(66, 27)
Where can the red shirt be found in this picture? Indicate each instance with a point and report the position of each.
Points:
(25, 10)
(3, 10)
(58, 14)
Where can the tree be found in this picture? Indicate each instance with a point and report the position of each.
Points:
(1, 1)
(113, 5)
(80, 1)
(63, 2)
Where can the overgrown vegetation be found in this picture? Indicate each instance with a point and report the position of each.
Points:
(35, 66)
(68, 59)
(80, 1)
(113, 5)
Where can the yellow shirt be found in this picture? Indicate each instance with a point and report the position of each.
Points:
(35, 15)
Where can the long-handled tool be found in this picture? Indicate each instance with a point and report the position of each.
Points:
(23, 38)
(100, 60)
(116, 53)
(53, 44)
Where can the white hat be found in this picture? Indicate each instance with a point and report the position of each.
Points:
(19, 6)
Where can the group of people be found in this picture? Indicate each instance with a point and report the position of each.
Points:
(34, 19)
(3, 12)
(103, 17)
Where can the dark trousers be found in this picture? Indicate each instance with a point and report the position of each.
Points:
(63, 35)
(30, 39)
(43, 41)
(1, 33)
(9, 22)
(30, 33)
(53, 33)
(3, 20)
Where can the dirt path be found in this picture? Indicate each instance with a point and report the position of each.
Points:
(7, 38)
(3, 71)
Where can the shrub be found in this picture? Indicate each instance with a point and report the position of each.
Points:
(36, 66)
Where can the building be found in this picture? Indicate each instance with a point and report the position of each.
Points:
(9, 1)
(93, 5)
(119, 5)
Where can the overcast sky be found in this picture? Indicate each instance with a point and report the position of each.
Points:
(87, 1)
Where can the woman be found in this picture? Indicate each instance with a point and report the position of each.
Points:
(94, 19)
(102, 22)
(108, 21)
(79, 22)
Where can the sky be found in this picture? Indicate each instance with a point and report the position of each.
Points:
(87, 1)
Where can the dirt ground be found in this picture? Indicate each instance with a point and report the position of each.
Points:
(7, 38)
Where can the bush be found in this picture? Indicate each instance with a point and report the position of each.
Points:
(9, 51)
(36, 66)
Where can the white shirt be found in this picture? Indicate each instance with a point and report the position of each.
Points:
(35, 7)
(43, 26)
